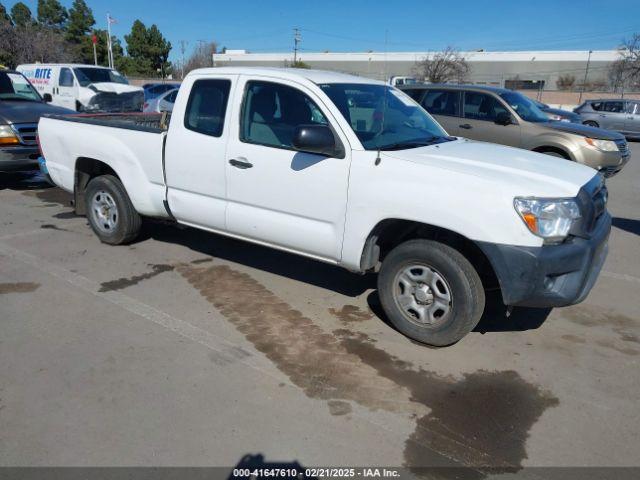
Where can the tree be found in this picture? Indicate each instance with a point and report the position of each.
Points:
(80, 22)
(148, 48)
(31, 43)
(565, 82)
(21, 15)
(300, 64)
(443, 67)
(624, 73)
(4, 16)
(201, 57)
(52, 14)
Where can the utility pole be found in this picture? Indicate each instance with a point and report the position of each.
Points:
(586, 73)
(183, 49)
(297, 38)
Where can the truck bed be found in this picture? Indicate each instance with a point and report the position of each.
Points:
(144, 122)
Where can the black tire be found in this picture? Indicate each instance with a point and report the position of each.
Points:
(591, 123)
(121, 224)
(467, 296)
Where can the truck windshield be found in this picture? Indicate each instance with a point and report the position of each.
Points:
(13, 86)
(402, 124)
(86, 76)
(524, 107)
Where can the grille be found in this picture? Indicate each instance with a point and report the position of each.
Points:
(27, 133)
(609, 172)
(623, 146)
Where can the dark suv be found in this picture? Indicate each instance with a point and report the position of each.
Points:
(21, 107)
(506, 117)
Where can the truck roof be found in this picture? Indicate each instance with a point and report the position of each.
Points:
(315, 76)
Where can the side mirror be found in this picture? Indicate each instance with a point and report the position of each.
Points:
(317, 139)
(504, 118)
(47, 98)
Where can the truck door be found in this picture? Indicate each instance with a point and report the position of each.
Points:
(278, 195)
(66, 90)
(195, 156)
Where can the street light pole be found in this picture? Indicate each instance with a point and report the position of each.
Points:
(586, 74)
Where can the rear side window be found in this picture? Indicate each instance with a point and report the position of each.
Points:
(207, 107)
(442, 102)
(597, 106)
(481, 106)
(614, 107)
(66, 78)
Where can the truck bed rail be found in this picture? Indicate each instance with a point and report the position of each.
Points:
(145, 122)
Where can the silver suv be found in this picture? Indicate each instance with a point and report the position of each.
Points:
(506, 117)
(613, 114)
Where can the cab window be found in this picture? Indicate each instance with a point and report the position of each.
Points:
(207, 107)
(271, 113)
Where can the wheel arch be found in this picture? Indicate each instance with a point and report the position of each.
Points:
(554, 148)
(87, 169)
(389, 233)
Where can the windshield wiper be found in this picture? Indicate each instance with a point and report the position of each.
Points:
(423, 142)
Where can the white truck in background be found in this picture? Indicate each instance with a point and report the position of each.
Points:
(351, 172)
(84, 88)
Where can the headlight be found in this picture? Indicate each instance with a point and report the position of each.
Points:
(8, 136)
(602, 145)
(548, 218)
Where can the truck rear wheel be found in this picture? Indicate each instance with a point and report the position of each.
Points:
(430, 292)
(110, 212)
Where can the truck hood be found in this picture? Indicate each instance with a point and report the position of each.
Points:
(115, 87)
(512, 169)
(583, 130)
(27, 112)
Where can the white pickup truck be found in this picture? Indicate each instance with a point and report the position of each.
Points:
(348, 171)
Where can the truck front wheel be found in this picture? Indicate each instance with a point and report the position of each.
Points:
(110, 212)
(430, 292)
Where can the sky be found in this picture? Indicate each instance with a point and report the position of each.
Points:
(357, 25)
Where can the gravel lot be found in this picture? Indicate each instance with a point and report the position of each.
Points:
(188, 348)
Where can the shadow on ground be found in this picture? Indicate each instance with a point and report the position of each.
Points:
(32, 180)
(628, 225)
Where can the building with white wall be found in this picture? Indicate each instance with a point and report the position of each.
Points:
(492, 68)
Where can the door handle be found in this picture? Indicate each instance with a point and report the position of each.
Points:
(466, 126)
(242, 164)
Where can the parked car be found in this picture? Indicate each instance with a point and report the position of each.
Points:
(162, 103)
(613, 114)
(290, 159)
(503, 116)
(557, 114)
(153, 90)
(84, 88)
(21, 106)
(397, 81)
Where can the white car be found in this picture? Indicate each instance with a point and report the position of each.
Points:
(351, 172)
(162, 103)
(84, 88)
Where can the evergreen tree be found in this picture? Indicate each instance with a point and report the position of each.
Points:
(80, 22)
(51, 13)
(21, 15)
(4, 16)
(148, 49)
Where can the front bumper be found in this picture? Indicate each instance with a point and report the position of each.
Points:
(552, 275)
(18, 158)
(608, 163)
